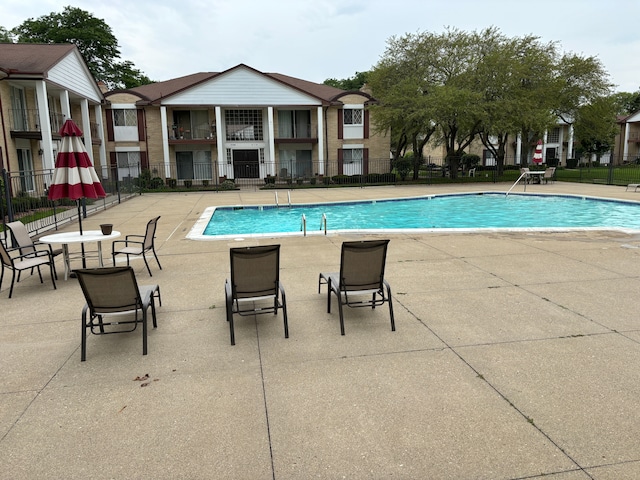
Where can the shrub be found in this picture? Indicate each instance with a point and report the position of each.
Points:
(227, 185)
(156, 182)
(270, 180)
(172, 183)
(188, 183)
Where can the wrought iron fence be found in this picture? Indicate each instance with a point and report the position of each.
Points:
(24, 197)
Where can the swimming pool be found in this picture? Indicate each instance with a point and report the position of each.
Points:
(459, 212)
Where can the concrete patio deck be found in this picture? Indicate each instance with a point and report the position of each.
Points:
(516, 356)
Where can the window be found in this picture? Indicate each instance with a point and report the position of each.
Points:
(352, 161)
(125, 117)
(244, 125)
(128, 164)
(553, 135)
(294, 124)
(353, 116)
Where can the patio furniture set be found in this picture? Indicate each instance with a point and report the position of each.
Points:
(254, 286)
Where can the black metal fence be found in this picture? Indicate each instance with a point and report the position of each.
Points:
(24, 198)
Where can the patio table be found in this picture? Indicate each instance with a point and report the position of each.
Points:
(88, 236)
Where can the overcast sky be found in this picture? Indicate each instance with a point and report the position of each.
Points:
(319, 39)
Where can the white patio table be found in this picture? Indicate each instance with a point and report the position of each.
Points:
(88, 236)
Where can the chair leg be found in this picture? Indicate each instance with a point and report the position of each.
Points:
(83, 348)
(52, 269)
(156, 256)
(393, 322)
(284, 314)
(144, 331)
(13, 278)
(340, 310)
(144, 257)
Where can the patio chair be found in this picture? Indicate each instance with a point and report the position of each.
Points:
(549, 174)
(527, 177)
(138, 245)
(360, 282)
(28, 261)
(26, 245)
(112, 293)
(255, 286)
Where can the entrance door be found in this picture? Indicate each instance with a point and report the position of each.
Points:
(246, 164)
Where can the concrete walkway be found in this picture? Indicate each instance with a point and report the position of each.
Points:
(516, 356)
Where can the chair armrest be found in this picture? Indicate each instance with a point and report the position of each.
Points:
(133, 236)
(125, 242)
(36, 253)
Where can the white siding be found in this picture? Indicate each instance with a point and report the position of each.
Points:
(242, 87)
(71, 74)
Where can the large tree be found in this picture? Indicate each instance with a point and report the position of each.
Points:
(93, 37)
(483, 83)
(352, 83)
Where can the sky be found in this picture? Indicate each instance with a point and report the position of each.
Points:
(320, 39)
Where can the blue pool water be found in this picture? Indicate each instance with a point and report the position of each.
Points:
(460, 211)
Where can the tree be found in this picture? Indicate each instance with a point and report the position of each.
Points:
(94, 39)
(5, 36)
(481, 84)
(352, 83)
(594, 126)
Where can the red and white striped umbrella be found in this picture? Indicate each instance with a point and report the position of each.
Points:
(537, 155)
(74, 176)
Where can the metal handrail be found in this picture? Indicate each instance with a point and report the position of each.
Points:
(323, 222)
(523, 174)
(289, 196)
(276, 192)
(303, 224)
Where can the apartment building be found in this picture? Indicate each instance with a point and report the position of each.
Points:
(242, 124)
(40, 87)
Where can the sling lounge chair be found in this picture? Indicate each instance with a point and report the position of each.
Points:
(360, 282)
(23, 241)
(27, 261)
(138, 245)
(254, 287)
(113, 294)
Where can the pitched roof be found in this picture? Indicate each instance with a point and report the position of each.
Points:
(156, 91)
(31, 58)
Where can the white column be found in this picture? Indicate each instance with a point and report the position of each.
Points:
(625, 150)
(65, 104)
(544, 147)
(165, 141)
(518, 160)
(272, 146)
(102, 149)
(320, 141)
(570, 142)
(560, 144)
(86, 128)
(220, 144)
(48, 162)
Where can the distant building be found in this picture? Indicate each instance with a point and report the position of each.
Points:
(242, 124)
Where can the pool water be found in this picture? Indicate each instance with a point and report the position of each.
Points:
(459, 211)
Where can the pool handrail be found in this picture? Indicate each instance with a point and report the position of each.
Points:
(303, 224)
(323, 222)
(523, 174)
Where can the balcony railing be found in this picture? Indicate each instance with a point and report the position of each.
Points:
(304, 132)
(634, 137)
(180, 132)
(28, 121)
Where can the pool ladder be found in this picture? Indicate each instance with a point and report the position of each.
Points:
(303, 223)
(288, 197)
(523, 174)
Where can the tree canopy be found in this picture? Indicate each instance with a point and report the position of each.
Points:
(456, 86)
(94, 39)
(352, 83)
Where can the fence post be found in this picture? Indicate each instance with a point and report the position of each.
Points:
(7, 194)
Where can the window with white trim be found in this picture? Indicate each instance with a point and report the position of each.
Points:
(243, 125)
(553, 135)
(352, 161)
(125, 117)
(128, 164)
(353, 116)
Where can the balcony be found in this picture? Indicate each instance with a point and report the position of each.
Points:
(180, 134)
(300, 134)
(25, 123)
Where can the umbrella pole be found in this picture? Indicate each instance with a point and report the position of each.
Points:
(84, 260)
